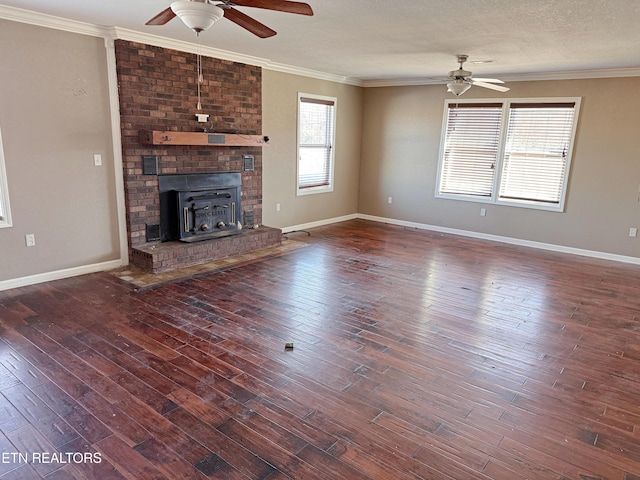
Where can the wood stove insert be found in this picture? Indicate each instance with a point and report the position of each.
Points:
(199, 206)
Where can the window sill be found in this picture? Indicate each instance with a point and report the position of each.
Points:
(313, 190)
(557, 208)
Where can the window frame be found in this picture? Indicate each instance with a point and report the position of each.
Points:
(5, 208)
(331, 160)
(494, 197)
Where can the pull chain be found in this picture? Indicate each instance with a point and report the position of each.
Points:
(200, 78)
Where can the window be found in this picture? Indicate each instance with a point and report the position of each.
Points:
(5, 212)
(515, 152)
(316, 127)
(471, 148)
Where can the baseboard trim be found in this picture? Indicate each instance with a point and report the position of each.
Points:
(468, 233)
(319, 223)
(58, 274)
(99, 267)
(510, 240)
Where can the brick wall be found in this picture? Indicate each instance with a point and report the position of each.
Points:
(158, 91)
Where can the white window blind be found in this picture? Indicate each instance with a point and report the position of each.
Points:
(536, 150)
(515, 152)
(315, 142)
(471, 149)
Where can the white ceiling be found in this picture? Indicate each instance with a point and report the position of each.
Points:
(389, 41)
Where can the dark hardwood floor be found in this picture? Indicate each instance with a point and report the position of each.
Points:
(416, 355)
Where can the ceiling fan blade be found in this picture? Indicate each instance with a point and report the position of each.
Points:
(487, 80)
(162, 18)
(248, 23)
(490, 86)
(277, 5)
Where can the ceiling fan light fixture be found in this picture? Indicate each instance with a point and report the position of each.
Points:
(458, 87)
(197, 16)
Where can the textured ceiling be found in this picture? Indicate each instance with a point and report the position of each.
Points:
(390, 40)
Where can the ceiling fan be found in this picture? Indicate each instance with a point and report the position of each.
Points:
(461, 80)
(199, 15)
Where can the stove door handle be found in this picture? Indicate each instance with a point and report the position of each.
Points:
(185, 217)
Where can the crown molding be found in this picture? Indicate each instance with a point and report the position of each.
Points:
(314, 74)
(117, 33)
(574, 74)
(182, 46)
(50, 21)
(521, 77)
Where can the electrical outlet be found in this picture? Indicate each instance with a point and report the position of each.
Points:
(30, 240)
(483, 212)
(97, 160)
(633, 232)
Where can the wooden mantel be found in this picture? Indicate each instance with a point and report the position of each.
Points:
(153, 137)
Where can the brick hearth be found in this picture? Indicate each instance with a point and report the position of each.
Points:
(161, 257)
(158, 91)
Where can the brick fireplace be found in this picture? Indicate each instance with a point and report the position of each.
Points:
(158, 92)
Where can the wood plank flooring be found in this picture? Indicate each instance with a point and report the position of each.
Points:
(417, 355)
